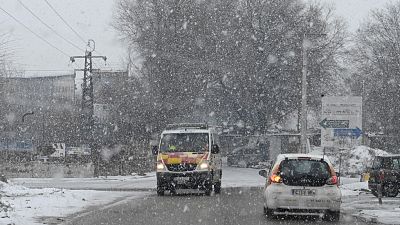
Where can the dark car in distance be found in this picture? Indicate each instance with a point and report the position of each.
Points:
(385, 171)
(244, 157)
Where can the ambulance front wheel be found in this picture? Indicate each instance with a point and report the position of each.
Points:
(160, 190)
(217, 187)
(208, 188)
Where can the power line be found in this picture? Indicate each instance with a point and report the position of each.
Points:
(55, 11)
(30, 30)
(55, 32)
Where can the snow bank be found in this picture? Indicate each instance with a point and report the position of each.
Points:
(10, 190)
(353, 161)
(362, 157)
(21, 205)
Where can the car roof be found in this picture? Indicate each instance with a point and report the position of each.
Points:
(281, 157)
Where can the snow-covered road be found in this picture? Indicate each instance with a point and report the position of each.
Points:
(232, 177)
(31, 201)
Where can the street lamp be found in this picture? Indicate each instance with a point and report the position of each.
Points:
(28, 113)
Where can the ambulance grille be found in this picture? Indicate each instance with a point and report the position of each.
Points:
(181, 167)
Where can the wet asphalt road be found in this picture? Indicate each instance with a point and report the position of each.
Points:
(232, 206)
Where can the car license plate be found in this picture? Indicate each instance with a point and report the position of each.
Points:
(181, 180)
(303, 192)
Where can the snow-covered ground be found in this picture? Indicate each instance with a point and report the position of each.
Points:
(28, 199)
(21, 205)
(361, 203)
(356, 198)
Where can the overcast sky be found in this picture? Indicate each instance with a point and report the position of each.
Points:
(91, 19)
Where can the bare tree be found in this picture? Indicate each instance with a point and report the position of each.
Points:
(229, 61)
(377, 62)
(6, 53)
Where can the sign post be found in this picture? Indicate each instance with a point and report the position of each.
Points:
(341, 121)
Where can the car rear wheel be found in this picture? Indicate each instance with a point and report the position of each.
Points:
(332, 216)
(208, 187)
(217, 187)
(173, 191)
(160, 191)
(268, 212)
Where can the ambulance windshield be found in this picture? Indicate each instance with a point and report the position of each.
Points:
(184, 142)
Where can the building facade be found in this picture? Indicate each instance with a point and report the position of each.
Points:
(37, 111)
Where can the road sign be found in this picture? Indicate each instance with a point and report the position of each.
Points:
(334, 123)
(341, 121)
(343, 132)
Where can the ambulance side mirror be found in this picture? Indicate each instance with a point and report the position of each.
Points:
(214, 149)
(154, 149)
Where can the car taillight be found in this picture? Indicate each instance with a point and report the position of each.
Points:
(275, 179)
(332, 181)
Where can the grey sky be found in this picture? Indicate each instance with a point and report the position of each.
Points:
(92, 20)
(355, 11)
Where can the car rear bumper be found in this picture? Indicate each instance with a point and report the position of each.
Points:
(299, 212)
(280, 198)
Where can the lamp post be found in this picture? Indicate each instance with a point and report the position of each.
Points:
(23, 128)
(28, 113)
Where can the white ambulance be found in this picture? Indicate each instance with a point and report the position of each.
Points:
(188, 157)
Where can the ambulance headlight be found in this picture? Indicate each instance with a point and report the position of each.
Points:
(160, 166)
(204, 166)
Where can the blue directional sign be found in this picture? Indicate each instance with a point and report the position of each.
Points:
(344, 132)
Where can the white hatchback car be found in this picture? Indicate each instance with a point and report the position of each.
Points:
(302, 184)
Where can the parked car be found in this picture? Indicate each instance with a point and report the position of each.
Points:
(251, 155)
(385, 171)
(244, 157)
(302, 184)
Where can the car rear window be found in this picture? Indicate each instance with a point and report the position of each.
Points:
(304, 172)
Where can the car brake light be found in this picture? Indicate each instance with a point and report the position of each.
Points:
(332, 181)
(275, 179)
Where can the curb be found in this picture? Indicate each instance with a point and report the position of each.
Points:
(137, 189)
(100, 189)
(373, 220)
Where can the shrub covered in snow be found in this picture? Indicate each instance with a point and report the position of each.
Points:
(5, 207)
(353, 161)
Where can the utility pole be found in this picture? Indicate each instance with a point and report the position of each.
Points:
(87, 104)
(364, 137)
(303, 120)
